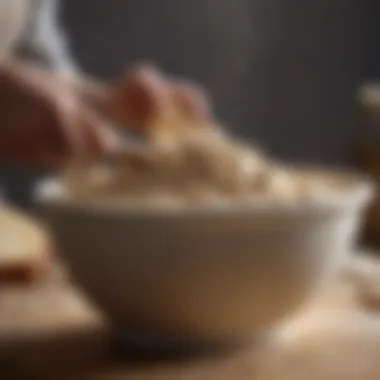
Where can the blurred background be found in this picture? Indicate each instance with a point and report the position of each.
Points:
(283, 73)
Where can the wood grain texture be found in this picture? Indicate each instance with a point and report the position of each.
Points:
(50, 331)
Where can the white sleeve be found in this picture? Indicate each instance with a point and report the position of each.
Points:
(43, 40)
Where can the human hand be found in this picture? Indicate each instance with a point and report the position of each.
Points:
(43, 123)
(143, 92)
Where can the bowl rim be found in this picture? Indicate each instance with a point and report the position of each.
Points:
(359, 193)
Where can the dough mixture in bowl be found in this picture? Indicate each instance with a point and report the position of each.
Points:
(184, 163)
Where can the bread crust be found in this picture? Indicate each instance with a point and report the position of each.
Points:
(36, 266)
(26, 273)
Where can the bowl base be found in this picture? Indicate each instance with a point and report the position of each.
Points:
(131, 343)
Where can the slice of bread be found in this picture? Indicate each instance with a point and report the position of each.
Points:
(24, 247)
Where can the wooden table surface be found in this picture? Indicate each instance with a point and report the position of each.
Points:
(50, 331)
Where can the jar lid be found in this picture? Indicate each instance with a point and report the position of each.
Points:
(369, 95)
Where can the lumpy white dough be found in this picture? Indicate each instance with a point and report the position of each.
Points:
(204, 167)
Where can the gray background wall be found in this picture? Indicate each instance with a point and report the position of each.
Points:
(282, 72)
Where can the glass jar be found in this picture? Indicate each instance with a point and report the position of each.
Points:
(368, 151)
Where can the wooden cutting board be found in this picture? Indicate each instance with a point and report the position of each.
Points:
(50, 331)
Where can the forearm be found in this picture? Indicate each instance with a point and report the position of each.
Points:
(44, 45)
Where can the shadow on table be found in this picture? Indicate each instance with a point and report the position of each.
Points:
(76, 351)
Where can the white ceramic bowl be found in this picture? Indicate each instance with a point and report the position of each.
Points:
(204, 272)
